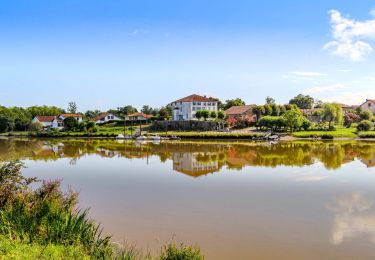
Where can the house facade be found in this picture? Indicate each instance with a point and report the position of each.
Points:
(185, 108)
(48, 122)
(241, 113)
(138, 117)
(369, 105)
(106, 117)
(78, 117)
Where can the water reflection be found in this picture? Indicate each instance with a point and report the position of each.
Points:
(198, 158)
(354, 216)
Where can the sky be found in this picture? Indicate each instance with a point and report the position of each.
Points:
(106, 54)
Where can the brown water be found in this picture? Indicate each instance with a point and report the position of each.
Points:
(236, 200)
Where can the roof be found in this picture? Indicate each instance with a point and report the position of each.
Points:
(196, 98)
(45, 118)
(70, 115)
(238, 110)
(140, 115)
(101, 116)
(368, 100)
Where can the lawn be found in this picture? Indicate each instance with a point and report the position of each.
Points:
(210, 135)
(369, 134)
(338, 133)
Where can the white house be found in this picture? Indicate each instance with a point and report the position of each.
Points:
(48, 121)
(138, 117)
(369, 105)
(185, 108)
(104, 118)
(78, 117)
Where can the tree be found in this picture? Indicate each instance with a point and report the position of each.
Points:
(6, 124)
(36, 126)
(267, 110)
(163, 113)
(270, 100)
(92, 114)
(127, 110)
(44, 111)
(198, 114)
(293, 119)
(70, 123)
(205, 114)
(213, 114)
(275, 109)
(350, 118)
(302, 101)
(147, 110)
(233, 102)
(258, 111)
(72, 107)
(221, 115)
(366, 115)
(331, 113)
(365, 125)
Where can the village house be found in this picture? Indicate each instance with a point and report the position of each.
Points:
(78, 117)
(241, 113)
(186, 108)
(48, 122)
(106, 117)
(138, 117)
(369, 105)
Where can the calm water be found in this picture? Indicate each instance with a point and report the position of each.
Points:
(245, 200)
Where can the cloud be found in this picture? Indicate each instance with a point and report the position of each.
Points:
(343, 70)
(350, 97)
(307, 74)
(348, 35)
(319, 89)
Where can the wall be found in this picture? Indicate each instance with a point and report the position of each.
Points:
(192, 125)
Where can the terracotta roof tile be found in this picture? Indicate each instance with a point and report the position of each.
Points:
(196, 98)
(45, 118)
(238, 110)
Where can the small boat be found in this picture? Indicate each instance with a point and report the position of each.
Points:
(141, 138)
(120, 136)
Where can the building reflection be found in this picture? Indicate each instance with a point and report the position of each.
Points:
(198, 158)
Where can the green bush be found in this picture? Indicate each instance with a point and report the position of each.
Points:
(173, 252)
(327, 136)
(365, 125)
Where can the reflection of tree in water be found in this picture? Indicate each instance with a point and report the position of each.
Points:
(234, 155)
(354, 216)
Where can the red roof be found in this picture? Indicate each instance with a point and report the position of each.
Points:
(196, 98)
(70, 115)
(45, 118)
(140, 115)
(238, 110)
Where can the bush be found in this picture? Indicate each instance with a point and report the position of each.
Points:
(70, 123)
(327, 136)
(366, 115)
(37, 126)
(172, 252)
(365, 125)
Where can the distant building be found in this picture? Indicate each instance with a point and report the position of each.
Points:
(369, 105)
(106, 117)
(78, 117)
(186, 108)
(243, 113)
(194, 164)
(48, 122)
(138, 117)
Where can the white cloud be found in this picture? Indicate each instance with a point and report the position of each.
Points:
(307, 74)
(319, 89)
(350, 97)
(348, 35)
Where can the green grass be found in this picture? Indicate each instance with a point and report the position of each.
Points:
(369, 134)
(13, 249)
(338, 133)
(210, 135)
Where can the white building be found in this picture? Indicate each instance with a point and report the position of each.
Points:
(47, 121)
(78, 117)
(185, 108)
(104, 118)
(369, 105)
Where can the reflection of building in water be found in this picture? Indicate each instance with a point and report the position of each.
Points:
(354, 216)
(107, 153)
(194, 164)
(369, 162)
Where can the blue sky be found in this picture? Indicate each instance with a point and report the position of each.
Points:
(105, 54)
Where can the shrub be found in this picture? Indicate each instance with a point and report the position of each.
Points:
(366, 115)
(350, 118)
(70, 123)
(327, 136)
(365, 125)
(173, 252)
(36, 126)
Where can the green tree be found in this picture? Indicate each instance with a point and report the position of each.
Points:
(147, 110)
(258, 111)
(366, 115)
(205, 114)
(331, 113)
(365, 125)
(198, 114)
(293, 119)
(163, 113)
(221, 115)
(275, 109)
(302, 101)
(233, 102)
(267, 110)
(90, 114)
(6, 124)
(270, 100)
(127, 110)
(72, 107)
(44, 111)
(213, 114)
(70, 123)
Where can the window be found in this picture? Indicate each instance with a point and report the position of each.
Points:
(199, 103)
(194, 103)
(369, 104)
(204, 104)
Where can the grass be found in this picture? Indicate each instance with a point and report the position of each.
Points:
(45, 223)
(338, 133)
(210, 135)
(369, 134)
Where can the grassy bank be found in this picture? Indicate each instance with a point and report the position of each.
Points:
(45, 223)
(369, 134)
(211, 135)
(338, 133)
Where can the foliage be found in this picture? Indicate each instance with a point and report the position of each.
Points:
(127, 110)
(331, 113)
(221, 115)
(275, 109)
(198, 114)
(72, 107)
(36, 126)
(369, 134)
(213, 114)
(293, 119)
(267, 110)
(275, 123)
(6, 124)
(366, 115)
(90, 114)
(233, 102)
(339, 133)
(258, 111)
(181, 252)
(365, 125)
(270, 100)
(70, 123)
(350, 118)
(205, 114)
(44, 111)
(302, 101)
